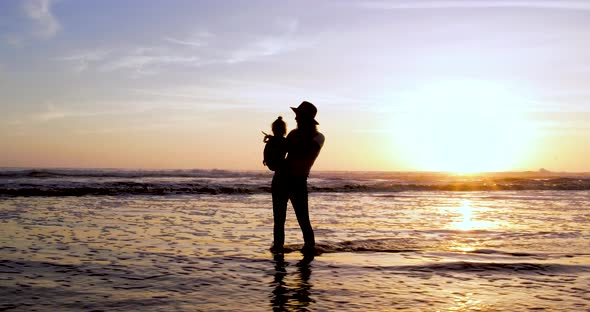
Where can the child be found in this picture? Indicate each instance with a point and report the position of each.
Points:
(276, 145)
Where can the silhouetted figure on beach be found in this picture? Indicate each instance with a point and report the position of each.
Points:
(290, 180)
(276, 145)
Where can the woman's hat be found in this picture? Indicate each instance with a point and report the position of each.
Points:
(306, 110)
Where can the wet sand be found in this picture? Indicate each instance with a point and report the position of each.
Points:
(210, 253)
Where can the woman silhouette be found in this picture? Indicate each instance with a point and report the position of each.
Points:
(290, 181)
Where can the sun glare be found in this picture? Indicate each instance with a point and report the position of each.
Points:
(462, 126)
(467, 221)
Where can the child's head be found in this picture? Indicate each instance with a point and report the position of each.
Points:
(279, 127)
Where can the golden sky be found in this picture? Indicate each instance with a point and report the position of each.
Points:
(400, 85)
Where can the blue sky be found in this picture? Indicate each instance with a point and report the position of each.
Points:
(200, 79)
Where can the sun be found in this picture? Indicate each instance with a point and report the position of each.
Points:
(462, 126)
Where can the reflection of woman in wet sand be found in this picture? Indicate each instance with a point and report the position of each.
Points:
(295, 291)
(290, 181)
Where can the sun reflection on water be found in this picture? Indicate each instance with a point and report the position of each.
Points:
(470, 221)
(467, 220)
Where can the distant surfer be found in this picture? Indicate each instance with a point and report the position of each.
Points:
(290, 179)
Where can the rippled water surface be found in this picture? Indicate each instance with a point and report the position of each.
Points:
(417, 251)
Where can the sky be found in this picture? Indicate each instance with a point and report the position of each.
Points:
(434, 85)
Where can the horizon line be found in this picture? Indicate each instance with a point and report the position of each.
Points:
(537, 171)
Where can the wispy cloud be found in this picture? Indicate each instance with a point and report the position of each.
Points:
(196, 50)
(81, 61)
(258, 95)
(52, 112)
(442, 4)
(129, 128)
(147, 64)
(261, 48)
(225, 49)
(191, 43)
(138, 61)
(202, 98)
(47, 25)
(270, 45)
(189, 94)
(199, 39)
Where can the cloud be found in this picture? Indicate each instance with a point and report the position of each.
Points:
(147, 60)
(54, 113)
(226, 48)
(270, 45)
(459, 4)
(139, 60)
(40, 12)
(238, 51)
(129, 128)
(146, 64)
(199, 39)
(81, 61)
(261, 48)
(192, 43)
(259, 95)
(48, 116)
(199, 49)
(189, 94)
(190, 97)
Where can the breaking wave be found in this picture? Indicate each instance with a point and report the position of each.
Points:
(77, 182)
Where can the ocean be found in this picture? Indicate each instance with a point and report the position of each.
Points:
(198, 240)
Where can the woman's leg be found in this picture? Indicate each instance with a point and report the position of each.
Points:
(280, 198)
(298, 196)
